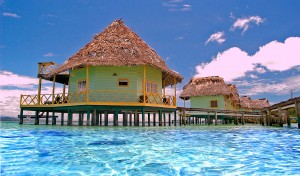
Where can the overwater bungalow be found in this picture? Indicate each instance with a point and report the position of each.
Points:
(116, 73)
(211, 93)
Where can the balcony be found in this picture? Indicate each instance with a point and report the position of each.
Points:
(99, 97)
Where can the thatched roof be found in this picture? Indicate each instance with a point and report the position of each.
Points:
(247, 102)
(235, 94)
(118, 45)
(260, 103)
(207, 86)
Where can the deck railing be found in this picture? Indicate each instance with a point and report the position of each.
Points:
(102, 96)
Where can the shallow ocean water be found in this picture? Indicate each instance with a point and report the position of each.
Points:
(189, 150)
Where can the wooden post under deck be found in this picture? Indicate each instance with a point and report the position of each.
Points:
(216, 118)
(70, 118)
(288, 119)
(130, 119)
(62, 119)
(105, 118)
(143, 117)
(148, 119)
(116, 114)
(53, 118)
(36, 118)
(125, 116)
(154, 117)
(175, 118)
(297, 108)
(100, 119)
(21, 116)
(47, 118)
(159, 118)
(169, 119)
(280, 117)
(88, 117)
(164, 119)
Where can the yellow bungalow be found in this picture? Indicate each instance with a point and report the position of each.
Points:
(117, 73)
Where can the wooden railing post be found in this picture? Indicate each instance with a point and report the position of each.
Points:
(39, 91)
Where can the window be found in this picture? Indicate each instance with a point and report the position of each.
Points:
(81, 86)
(123, 82)
(151, 87)
(214, 103)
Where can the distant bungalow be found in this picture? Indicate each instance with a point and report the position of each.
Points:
(117, 73)
(211, 92)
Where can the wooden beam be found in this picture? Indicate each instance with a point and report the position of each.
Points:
(39, 90)
(53, 89)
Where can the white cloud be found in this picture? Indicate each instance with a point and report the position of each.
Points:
(10, 79)
(48, 54)
(218, 37)
(244, 23)
(13, 85)
(179, 38)
(253, 76)
(234, 63)
(177, 5)
(266, 86)
(260, 70)
(13, 15)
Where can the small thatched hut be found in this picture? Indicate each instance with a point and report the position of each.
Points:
(210, 92)
(245, 103)
(259, 104)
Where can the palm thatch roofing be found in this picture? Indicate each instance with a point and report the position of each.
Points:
(235, 94)
(208, 86)
(260, 103)
(247, 102)
(118, 45)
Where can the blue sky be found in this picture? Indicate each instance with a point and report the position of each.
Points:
(253, 44)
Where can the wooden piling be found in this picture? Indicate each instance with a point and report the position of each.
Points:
(135, 118)
(279, 113)
(169, 119)
(115, 121)
(125, 115)
(70, 118)
(216, 118)
(208, 119)
(80, 119)
(154, 117)
(148, 119)
(62, 119)
(164, 119)
(47, 118)
(159, 118)
(53, 118)
(88, 117)
(130, 118)
(36, 118)
(243, 119)
(100, 119)
(174, 118)
(288, 119)
(97, 119)
(143, 117)
(105, 118)
(21, 117)
(297, 108)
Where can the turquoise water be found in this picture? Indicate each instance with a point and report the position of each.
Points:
(193, 150)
